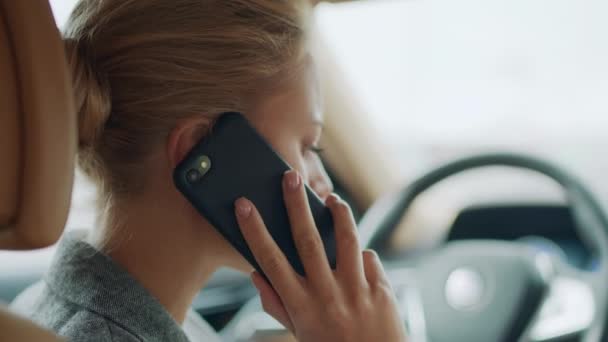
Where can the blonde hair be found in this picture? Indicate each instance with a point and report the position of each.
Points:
(139, 66)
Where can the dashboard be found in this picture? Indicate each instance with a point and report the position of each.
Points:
(545, 227)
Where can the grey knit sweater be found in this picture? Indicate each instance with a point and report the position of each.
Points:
(85, 296)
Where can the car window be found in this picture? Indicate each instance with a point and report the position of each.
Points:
(62, 10)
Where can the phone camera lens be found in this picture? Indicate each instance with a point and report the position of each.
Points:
(193, 175)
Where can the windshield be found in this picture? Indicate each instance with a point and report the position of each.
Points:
(442, 78)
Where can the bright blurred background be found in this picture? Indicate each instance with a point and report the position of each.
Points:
(441, 79)
(444, 78)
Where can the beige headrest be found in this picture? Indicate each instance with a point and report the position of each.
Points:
(37, 127)
(15, 328)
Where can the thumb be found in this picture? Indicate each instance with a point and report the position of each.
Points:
(271, 302)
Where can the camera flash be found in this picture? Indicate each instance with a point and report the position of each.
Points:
(204, 164)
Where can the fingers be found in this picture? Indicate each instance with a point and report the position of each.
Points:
(349, 259)
(374, 272)
(266, 252)
(271, 302)
(304, 230)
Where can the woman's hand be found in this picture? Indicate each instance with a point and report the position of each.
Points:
(354, 302)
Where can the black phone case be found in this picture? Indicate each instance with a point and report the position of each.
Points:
(244, 164)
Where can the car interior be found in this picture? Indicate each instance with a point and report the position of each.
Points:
(488, 243)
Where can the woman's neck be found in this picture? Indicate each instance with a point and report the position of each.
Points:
(162, 250)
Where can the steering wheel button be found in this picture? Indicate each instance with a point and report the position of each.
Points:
(464, 289)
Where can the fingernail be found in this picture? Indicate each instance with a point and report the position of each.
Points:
(332, 199)
(243, 207)
(292, 180)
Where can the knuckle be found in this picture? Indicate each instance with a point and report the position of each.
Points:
(349, 239)
(337, 311)
(309, 246)
(300, 312)
(359, 298)
(271, 263)
(303, 310)
(382, 292)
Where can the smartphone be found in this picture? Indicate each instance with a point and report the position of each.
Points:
(233, 161)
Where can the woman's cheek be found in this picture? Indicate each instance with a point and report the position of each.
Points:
(296, 160)
(318, 179)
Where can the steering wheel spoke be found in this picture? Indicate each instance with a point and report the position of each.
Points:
(567, 311)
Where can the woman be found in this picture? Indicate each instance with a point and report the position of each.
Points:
(149, 78)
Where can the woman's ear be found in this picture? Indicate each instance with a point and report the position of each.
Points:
(184, 136)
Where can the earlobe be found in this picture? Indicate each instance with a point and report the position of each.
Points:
(184, 136)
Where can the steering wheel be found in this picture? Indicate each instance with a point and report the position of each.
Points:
(490, 290)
